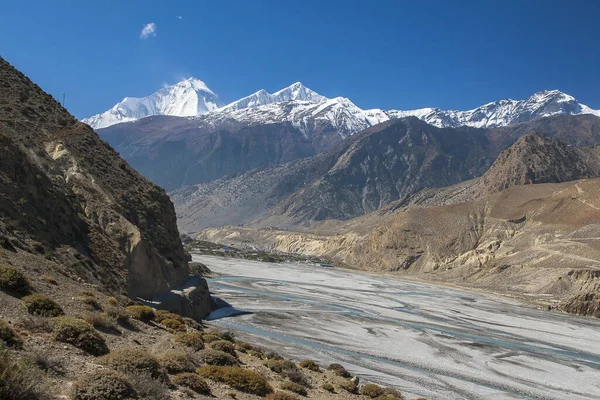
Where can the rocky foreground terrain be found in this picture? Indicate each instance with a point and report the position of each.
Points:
(97, 298)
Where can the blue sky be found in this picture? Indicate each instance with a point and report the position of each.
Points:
(386, 54)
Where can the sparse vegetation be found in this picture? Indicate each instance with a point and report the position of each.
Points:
(243, 347)
(148, 387)
(8, 336)
(50, 280)
(192, 340)
(129, 361)
(372, 390)
(173, 324)
(176, 363)
(224, 346)
(310, 365)
(92, 302)
(339, 370)
(142, 313)
(296, 376)
(101, 322)
(119, 315)
(215, 357)
(80, 334)
(211, 336)
(294, 387)
(192, 381)
(191, 323)
(21, 380)
(328, 387)
(41, 305)
(280, 366)
(161, 315)
(103, 385)
(348, 385)
(13, 280)
(244, 380)
(281, 396)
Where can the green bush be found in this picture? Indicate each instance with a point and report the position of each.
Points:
(80, 334)
(280, 366)
(103, 385)
(8, 336)
(129, 361)
(328, 387)
(41, 305)
(192, 340)
(310, 365)
(12, 279)
(21, 380)
(215, 357)
(372, 390)
(176, 363)
(142, 313)
(241, 379)
(294, 387)
(192, 381)
(339, 370)
(243, 347)
(224, 346)
(281, 396)
(348, 386)
(161, 315)
(173, 324)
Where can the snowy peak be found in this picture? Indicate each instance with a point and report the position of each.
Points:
(294, 92)
(190, 97)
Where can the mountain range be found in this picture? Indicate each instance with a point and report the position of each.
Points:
(305, 107)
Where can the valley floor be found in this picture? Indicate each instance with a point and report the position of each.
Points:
(425, 340)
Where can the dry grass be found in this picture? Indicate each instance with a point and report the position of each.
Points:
(21, 380)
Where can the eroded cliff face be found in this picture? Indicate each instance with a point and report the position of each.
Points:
(66, 189)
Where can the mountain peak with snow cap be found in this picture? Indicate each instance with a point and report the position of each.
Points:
(295, 92)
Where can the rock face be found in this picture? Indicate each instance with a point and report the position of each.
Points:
(64, 188)
(391, 162)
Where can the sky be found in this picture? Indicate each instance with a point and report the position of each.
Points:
(381, 54)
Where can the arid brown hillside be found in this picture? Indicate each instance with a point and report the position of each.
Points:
(67, 194)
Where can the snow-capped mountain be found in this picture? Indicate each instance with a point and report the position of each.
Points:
(501, 112)
(190, 97)
(312, 112)
(294, 92)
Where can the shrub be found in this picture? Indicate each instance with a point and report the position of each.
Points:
(244, 380)
(296, 376)
(258, 353)
(8, 336)
(280, 366)
(328, 387)
(243, 347)
(294, 387)
(103, 385)
(21, 380)
(52, 366)
(161, 315)
(192, 340)
(142, 313)
(35, 324)
(281, 396)
(92, 302)
(273, 356)
(191, 323)
(215, 357)
(149, 388)
(211, 336)
(50, 280)
(192, 381)
(129, 361)
(113, 301)
(13, 280)
(118, 314)
(310, 365)
(42, 305)
(348, 386)
(101, 322)
(173, 324)
(339, 370)
(224, 346)
(229, 336)
(80, 334)
(391, 394)
(372, 390)
(175, 363)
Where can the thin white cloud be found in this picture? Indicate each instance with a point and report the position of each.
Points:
(148, 31)
(179, 17)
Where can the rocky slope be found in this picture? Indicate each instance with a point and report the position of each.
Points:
(70, 194)
(390, 162)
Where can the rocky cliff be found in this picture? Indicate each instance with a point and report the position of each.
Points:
(68, 195)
